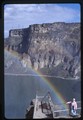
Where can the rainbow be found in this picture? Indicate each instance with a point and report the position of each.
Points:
(61, 100)
(57, 94)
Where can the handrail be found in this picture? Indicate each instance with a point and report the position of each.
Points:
(65, 103)
(64, 110)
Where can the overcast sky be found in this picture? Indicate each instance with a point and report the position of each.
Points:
(23, 15)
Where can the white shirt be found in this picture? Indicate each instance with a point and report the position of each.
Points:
(75, 105)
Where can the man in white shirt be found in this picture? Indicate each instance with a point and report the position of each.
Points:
(72, 107)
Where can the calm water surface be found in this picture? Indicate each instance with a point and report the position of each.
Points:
(20, 90)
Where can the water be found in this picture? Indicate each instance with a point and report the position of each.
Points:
(20, 90)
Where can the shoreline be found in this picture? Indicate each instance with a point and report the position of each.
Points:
(25, 74)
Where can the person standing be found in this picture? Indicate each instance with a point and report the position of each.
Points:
(72, 107)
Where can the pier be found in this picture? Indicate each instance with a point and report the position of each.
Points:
(45, 108)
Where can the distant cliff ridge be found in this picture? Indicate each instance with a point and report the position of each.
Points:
(51, 45)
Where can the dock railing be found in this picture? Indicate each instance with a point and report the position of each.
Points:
(59, 111)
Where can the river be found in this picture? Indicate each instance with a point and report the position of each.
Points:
(20, 90)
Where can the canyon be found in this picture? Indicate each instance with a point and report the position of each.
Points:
(52, 48)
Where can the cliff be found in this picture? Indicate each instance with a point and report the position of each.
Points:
(51, 45)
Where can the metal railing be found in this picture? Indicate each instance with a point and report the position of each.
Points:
(65, 112)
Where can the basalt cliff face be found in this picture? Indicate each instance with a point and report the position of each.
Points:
(53, 46)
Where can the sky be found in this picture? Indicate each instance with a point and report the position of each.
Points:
(22, 15)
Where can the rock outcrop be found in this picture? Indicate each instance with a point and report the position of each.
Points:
(48, 45)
